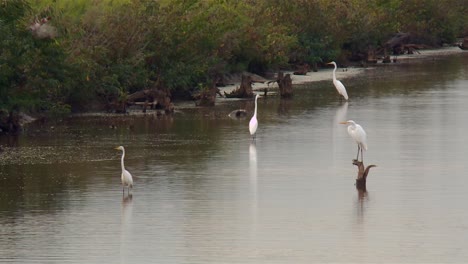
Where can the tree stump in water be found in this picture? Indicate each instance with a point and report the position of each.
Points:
(362, 174)
(244, 91)
(285, 85)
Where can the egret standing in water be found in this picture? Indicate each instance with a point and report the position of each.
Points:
(253, 124)
(359, 135)
(338, 85)
(127, 180)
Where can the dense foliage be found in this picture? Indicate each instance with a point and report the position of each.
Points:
(102, 50)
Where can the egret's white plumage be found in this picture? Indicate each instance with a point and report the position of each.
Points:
(127, 179)
(253, 124)
(358, 134)
(338, 85)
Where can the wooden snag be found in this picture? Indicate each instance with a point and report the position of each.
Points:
(362, 174)
(285, 85)
(244, 90)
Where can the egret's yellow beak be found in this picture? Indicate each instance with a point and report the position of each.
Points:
(117, 148)
(343, 123)
(329, 63)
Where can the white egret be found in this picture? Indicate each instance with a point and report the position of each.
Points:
(359, 135)
(253, 124)
(338, 85)
(127, 179)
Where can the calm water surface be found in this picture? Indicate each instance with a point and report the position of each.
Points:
(204, 194)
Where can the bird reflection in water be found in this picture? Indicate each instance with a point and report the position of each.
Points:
(253, 166)
(126, 226)
(253, 169)
(127, 208)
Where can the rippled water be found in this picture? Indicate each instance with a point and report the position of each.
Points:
(205, 194)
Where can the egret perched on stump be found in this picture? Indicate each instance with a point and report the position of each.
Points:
(338, 85)
(359, 135)
(253, 124)
(127, 179)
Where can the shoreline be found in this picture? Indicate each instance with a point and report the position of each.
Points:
(324, 74)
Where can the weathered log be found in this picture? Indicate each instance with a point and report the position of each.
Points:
(362, 174)
(244, 90)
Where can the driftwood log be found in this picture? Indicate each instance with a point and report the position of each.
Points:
(362, 174)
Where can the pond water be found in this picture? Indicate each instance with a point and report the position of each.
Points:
(205, 194)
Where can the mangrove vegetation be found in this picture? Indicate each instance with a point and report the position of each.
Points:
(59, 56)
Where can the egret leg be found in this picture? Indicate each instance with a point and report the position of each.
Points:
(362, 155)
(357, 156)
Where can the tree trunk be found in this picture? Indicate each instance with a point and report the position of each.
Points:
(362, 174)
(244, 91)
(285, 85)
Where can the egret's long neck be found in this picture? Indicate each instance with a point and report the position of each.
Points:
(255, 112)
(334, 75)
(122, 162)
